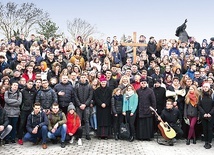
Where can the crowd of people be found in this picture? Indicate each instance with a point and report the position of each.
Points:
(51, 88)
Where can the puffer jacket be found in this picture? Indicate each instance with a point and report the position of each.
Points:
(46, 97)
(13, 101)
(83, 94)
(117, 104)
(69, 93)
(28, 99)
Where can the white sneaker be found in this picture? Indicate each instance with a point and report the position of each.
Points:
(72, 140)
(79, 142)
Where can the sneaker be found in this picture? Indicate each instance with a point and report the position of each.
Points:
(44, 146)
(88, 137)
(79, 142)
(62, 144)
(20, 142)
(72, 140)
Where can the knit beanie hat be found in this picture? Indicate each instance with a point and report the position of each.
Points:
(71, 106)
(206, 84)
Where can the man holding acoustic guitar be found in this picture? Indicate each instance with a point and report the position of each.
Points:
(171, 117)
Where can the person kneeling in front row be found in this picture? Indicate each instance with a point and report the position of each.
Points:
(73, 125)
(37, 123)
(5, 128)
(173, 117)
(57, 125)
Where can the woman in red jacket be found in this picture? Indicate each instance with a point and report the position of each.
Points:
(73, 125)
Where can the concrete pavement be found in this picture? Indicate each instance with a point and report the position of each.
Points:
(110, 147)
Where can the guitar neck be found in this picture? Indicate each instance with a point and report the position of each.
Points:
(156, 114)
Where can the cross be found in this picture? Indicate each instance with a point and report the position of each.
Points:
(134, 44)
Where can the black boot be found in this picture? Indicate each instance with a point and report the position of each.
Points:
(116, 136)
(131, 139)
(188, 142)
(194, 140)
(1, 142)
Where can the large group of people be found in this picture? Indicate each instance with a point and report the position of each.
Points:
(51, 88)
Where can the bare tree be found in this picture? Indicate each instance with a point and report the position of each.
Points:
(23, 18)
(79, 27)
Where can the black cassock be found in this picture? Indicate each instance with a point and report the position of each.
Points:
(103, 95)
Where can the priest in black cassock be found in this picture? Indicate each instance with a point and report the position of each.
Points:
(145, 129)
(102, 97)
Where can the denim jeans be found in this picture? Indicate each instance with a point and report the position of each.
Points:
(5, 132)
(61, 131)
(13, 122)
(93, 119)
(42, 133)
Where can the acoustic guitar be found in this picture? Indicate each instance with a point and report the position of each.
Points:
(166, 131)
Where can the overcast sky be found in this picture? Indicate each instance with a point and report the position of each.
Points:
(158, 18)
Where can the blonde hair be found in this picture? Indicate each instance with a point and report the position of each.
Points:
(122, 78)
(196, 92)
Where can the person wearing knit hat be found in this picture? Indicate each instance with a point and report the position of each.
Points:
(71, 107)
(206, 84)
(143, 80)
(74, 128)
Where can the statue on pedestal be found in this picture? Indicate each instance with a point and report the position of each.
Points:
(181, 32)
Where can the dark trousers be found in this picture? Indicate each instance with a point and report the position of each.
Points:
(178, 130)
(77, 134)
(22, 124)
(207, 130)
(131, 121)
(117, 121)
(13, 122)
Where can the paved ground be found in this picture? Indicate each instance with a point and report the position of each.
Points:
(101, 147)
